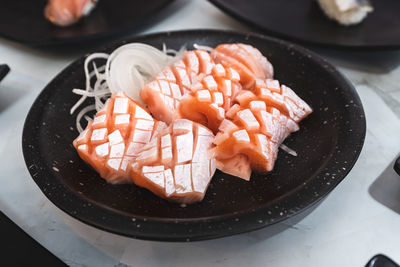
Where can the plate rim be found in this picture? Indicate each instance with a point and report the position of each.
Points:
(302, 41)
(75, 40)
(182, 222)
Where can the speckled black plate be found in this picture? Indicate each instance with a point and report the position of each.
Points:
(23, 21)
(327, 144)
(303, 21)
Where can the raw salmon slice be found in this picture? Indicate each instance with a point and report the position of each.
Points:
(163, 94)
(246, 60)
(67, 12)
(275, 95)
(115, 136)
(211, 97)
(176, 164)
(255, 126)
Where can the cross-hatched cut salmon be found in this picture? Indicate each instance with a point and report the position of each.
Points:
(163, 94)
(255, 126)
(246, 60)
(112, 140)
(176, 164)
(211, 97)
(278, 96)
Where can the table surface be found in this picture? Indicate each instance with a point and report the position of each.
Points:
(359, 219)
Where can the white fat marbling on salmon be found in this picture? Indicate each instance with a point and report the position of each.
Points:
(102, 150)
(200, 174)
(241, 136)
(83, 147)
(99, 134)
(210, 83)
(156, 177)
(120, 105)
(117, 151)
(184, 147)
(248, 120)
(182, 174)
(257, 105)
(166, 140)
(203, 96)
(122, 119)
(140, 113)
(169, 182)
(134, 148)
(218, 98)
(144, 125)
(114, 163)
(99, 121)
(158, 168)
(140, 136)
(115, 138)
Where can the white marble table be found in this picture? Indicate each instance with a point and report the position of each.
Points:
(359, 219)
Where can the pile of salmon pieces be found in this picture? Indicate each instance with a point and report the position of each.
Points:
(218, 110)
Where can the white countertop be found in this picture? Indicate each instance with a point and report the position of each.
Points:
(359, 219)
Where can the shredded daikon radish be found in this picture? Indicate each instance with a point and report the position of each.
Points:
(131, 66)
(127, 69)
(203, 47)
(288, 150)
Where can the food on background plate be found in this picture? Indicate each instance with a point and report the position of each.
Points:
(346, 12)
(200, 114)
(67, 12)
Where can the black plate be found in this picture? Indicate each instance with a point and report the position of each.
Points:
(328, 145)
(23, 21)
(303, 21)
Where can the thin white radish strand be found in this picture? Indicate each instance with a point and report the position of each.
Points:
(203, 47)
(288, 150)
(81, 114)
(131, 66)
(88, 77)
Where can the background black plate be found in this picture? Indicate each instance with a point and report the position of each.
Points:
(23, 21)
(303, 21)
(328, 145)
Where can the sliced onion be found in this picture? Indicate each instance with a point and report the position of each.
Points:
(127, 69)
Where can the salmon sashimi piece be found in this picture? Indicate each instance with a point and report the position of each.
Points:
(246, 60)
(238, 166)
(162, 96)
(256, 125)
(67, 12)
(115, 136)
(211, 97)
(254, 133)
(176, 164)
(278, 96)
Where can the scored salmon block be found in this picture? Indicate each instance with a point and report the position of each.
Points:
(246, 60)
(275, 95)
(112, 140)
(211, 97)
(176, 164)
(254, 132)
(163, 94)
(255, 126)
